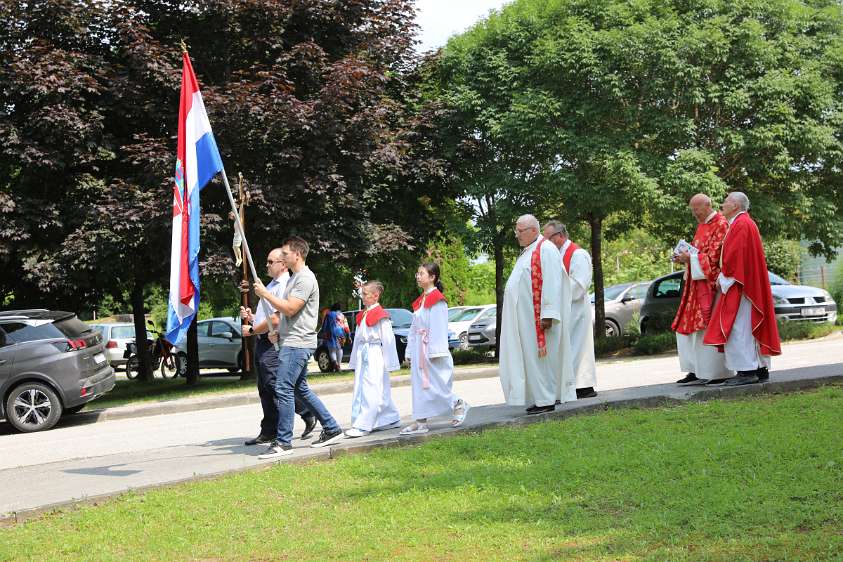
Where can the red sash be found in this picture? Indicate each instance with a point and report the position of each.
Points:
(537, 282)
(569, 253)
(428, 300)
(372, 316)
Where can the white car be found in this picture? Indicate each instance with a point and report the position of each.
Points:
(220, 344)
(115, 336)
(461, 319)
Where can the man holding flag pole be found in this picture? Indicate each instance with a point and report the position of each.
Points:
(197, 162)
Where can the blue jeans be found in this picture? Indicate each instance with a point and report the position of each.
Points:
(267, 367)
(291, 384)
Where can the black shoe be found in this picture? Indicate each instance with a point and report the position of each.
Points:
(763, 374)
(277, 449)
(259, 440)
(586, 393)
(309, 424)
(742, 378)
(533, 410)
(715, 382)
(327, 437)
(690, 377)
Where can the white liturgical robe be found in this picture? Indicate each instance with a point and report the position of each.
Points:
(582, 325)
(526, 378)
(373, 356)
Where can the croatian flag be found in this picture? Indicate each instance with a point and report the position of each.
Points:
(198, 160)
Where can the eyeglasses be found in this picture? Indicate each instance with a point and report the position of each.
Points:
(520, 230)
(554, 234)
(271, 262)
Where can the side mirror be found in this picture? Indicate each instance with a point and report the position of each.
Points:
(627, 299)
(227, 335)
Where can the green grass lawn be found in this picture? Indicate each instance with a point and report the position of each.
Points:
(755, 479)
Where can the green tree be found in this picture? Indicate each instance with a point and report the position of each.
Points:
(618, 111)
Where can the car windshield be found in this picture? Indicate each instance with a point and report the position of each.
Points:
(613, 292)
(454, 313)
(467, 315)
(776, 280)
(401, 318)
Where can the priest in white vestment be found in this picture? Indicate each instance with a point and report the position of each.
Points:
(533, 344)
(576, 264)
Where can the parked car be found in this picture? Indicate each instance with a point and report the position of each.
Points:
(220, 345)
(621, 302)
(791, 302)
(116, 336)
(460, 319)
(481, 333)
(401, 321)
(50, 363)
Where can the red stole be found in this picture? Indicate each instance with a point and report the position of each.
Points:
(537, 282)
(694, 312)
(743, 259)
(428, 299)
(566, 257)
(372, 316)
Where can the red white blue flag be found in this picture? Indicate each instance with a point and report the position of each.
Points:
(198, 160)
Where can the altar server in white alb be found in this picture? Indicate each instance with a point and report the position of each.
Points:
(373, 357)
(535, 355)
(431, 364)
(577, 264)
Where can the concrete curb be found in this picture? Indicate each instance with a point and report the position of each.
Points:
(502, 416)
(247, 397)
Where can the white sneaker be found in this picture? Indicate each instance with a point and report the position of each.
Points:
(354, 432)
(277, 450)
(415, 429)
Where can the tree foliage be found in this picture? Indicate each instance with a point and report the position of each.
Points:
(310, 100)
(622, 110)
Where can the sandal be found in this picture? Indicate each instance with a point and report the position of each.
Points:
(415, 428)
(463, 408)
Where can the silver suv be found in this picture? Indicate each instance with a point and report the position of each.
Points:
(50, 363)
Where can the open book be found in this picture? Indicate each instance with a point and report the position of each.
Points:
(683, 246)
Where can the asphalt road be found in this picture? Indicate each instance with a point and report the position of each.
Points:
(79, 460)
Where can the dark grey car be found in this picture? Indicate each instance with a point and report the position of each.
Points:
(50, 363)
(481, 334)
(792, 302)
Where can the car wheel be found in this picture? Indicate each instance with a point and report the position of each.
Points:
(132, 367)
(181, 363)
(612, 329)
(33, 406)
(323, 360)
(464, 341)
(239, 367)
(170, 367)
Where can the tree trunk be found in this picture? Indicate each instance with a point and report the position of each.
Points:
(192, 353)
(139, 317)
(499, 289)
(596, 224)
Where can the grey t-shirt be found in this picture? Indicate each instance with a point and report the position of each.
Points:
(299, 330)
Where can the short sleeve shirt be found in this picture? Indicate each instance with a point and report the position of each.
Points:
(299, 330)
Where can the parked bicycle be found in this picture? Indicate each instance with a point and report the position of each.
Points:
(161, 358)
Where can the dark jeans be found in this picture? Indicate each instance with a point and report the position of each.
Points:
(290, 386)
(267, 367)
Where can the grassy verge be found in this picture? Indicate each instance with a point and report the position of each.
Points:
(755, 479)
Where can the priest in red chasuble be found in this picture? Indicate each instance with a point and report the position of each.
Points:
(702, 363)
(744, 321)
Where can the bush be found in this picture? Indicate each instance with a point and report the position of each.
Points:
(796, 330)
(604, 347)
(471, 356)
(652, 344)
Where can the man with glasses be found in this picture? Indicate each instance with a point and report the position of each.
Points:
(577, 264)
(299, 313)
(266, 355)
(535, 358)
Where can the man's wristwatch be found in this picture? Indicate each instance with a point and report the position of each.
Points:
(251, 329)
